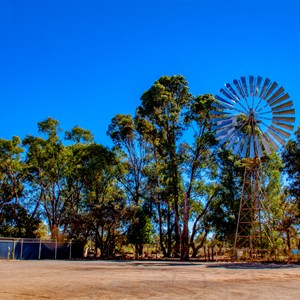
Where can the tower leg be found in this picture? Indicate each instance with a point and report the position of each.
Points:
(250, 236)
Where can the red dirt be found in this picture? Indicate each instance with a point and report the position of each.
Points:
(47, 279)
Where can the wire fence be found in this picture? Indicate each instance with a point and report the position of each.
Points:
(25, 248)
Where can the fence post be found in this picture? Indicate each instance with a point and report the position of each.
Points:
(21, 254)
(70, 254)
(55, 252)
(40, 249)
(13, 250)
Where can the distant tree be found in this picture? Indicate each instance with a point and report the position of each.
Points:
(223, 212)
(15, 219)
(46, 165)
(133, 154)
(139, 230)
(104, 200)
(291, 160)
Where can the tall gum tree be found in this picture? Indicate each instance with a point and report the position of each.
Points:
(170, 112)
(133, 152)
(163, 106)
(46, 161)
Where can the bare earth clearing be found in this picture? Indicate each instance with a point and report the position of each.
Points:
(147, 280)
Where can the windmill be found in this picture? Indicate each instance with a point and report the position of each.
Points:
(253, 116)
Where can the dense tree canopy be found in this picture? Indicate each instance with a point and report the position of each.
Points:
(165, 180)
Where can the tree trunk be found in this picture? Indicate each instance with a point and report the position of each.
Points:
(288, 239)
(54, 231)
(161, 238)
(185, 247)
(169, 234)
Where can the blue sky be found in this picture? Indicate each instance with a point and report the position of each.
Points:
(82, 62)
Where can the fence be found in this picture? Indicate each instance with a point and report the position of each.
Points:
(24, 248)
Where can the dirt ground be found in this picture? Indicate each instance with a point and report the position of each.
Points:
(48, 279)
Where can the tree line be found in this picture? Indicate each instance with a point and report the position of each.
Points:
(165, 180)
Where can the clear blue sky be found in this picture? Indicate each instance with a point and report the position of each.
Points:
(83, 61)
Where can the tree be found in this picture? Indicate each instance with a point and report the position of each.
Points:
(224, 210)
(74, 219)
(163, 107)
(290, 156)
(133, 154)
(167, 116)
(46, 164)
(104, 200)
(15, 219)
(139, 231)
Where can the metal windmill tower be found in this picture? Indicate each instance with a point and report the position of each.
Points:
(253, 116)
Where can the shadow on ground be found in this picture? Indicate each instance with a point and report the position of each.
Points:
(247, 265)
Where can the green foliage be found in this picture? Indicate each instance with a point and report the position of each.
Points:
(139, 231)
(291, 162)
(165, 176)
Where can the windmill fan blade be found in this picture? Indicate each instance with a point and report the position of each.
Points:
(251, 80)
(276, 137)
(227, 137)
(223, 131)
(285, 119)
(221, 106)
(224, 101)
(228, 95)
(286, 126)
(218, 119)
(270, 90)
(214, 112)
(266, 145)
(229, 87)
(284, 105)
(258, 146)
(245, 147)
(237, 147)
(279, 100)
(280, 131)
(264, 88)
(258, 82)
(238, 87)
(232, 141)
(276, 94)
(223, 126)
(244, 83)
(270, 141)
(285, 112)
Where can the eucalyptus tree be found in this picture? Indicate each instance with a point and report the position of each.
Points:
(74, 217)
(291, 166)
(105, 203)
(134, 157)
(162, 108)
(15, 218)
(46, 165)
(169, 114)
(199, 166)
(223, 213)
(291, 160)
(132, 149)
